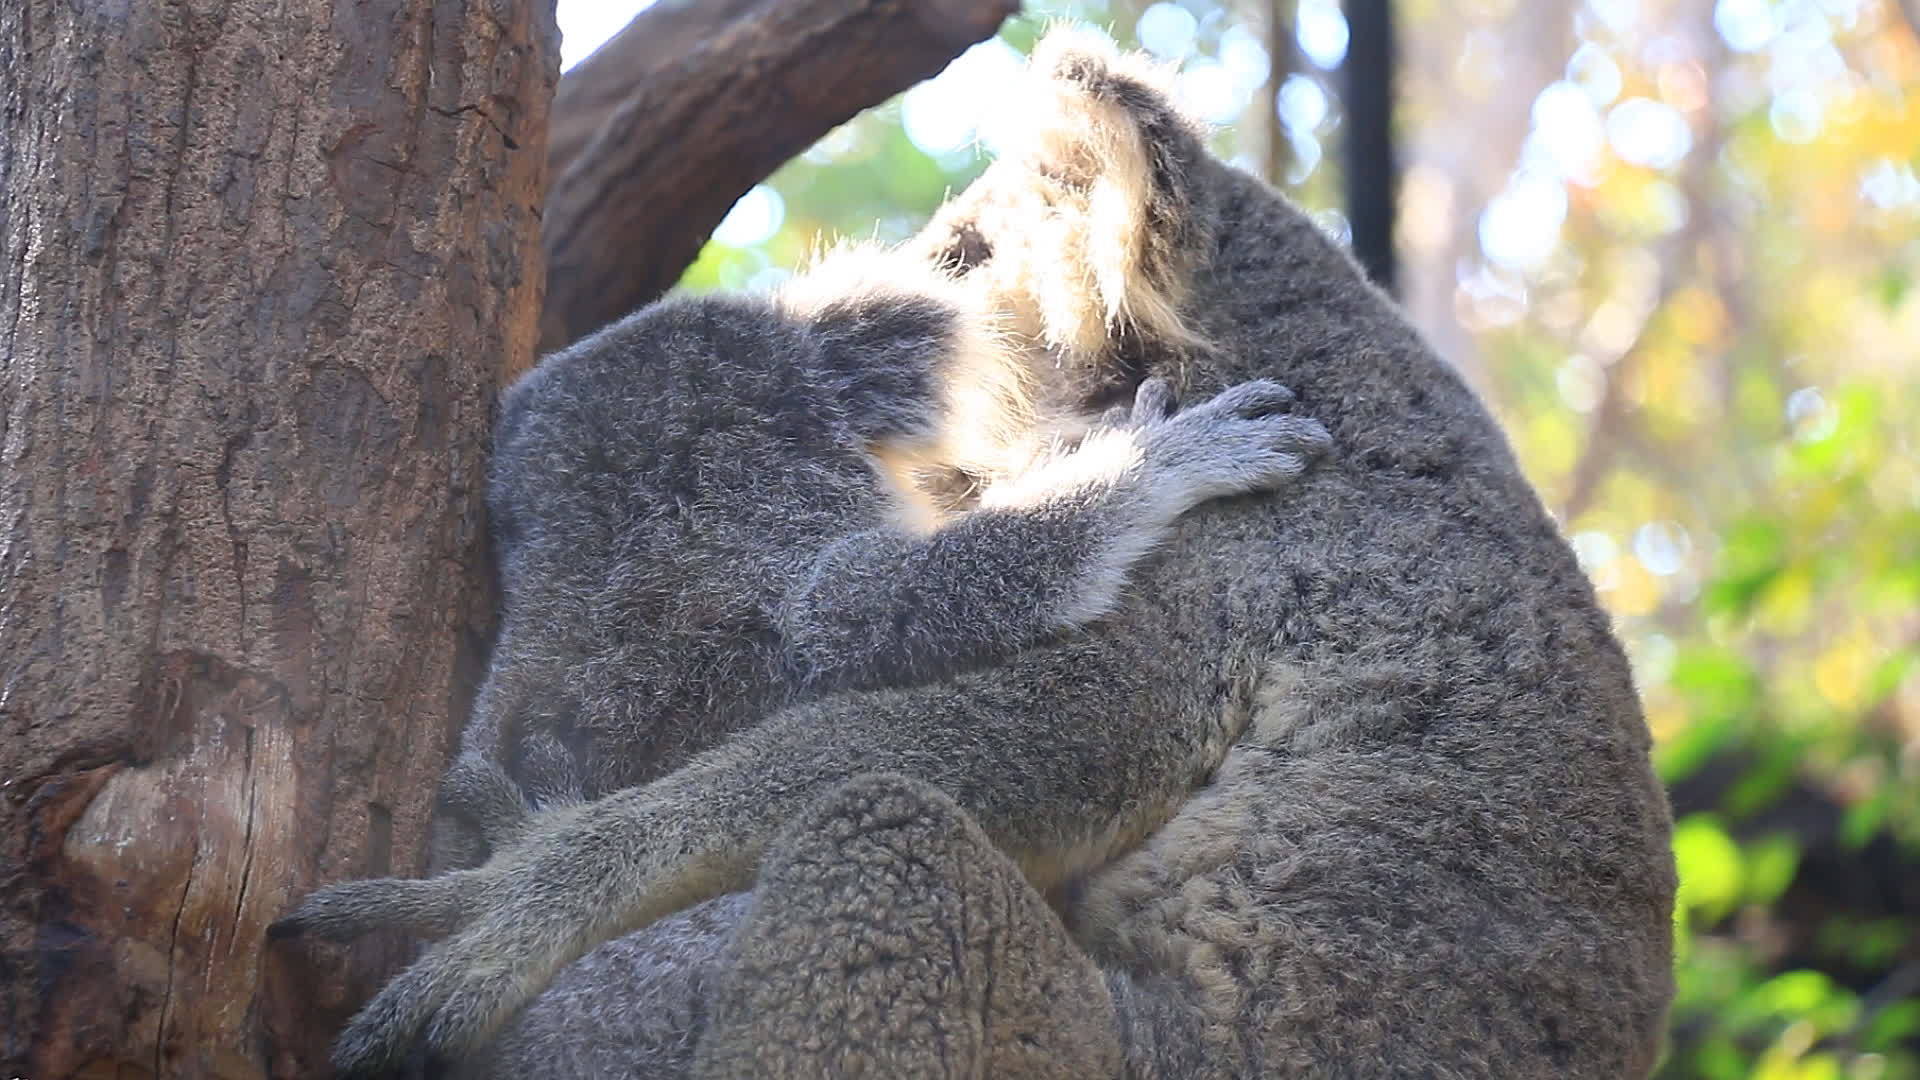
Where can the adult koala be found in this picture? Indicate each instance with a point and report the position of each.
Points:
(1424, 839)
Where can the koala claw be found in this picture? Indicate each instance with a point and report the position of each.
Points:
(1252, 400)
(427, 907)
(1241, 440)
(447, 1003)
(380, 1036)
(508, 927)
(453, 997)
(1153, 401)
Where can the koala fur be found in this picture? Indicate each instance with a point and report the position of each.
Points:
(1353, 783)
(719, 507)
(692, 534)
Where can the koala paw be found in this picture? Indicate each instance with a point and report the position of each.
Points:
(1152, 404)
(1241, 440)
(514, 923)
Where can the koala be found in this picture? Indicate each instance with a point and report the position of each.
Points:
(721, 506)
(1353, 784)
(724, 505)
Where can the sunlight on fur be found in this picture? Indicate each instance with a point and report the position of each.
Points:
(1096, 264)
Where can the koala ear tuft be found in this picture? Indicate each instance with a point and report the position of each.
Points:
(1095, 225)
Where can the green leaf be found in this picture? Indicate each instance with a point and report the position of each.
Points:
(1716, 681)
(1761, 785)
(1893, 284)
(1892, 1025)
(1693, 746)
(1873, 944)
(1890, 673)
(1795, 993)
(1771, 863)
(1864, 819)
(1711, 873)
(1812, 996)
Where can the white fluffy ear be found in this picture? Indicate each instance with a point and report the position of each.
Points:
(853, 275)
(1104, 235)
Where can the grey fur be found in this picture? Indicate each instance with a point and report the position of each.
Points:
(1353, 784)
(692, 535)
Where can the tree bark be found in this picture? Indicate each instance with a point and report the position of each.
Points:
(660, 131)
(261, 266)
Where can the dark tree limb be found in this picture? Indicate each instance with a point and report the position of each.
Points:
(1372, 176)
(1909, 12)
(1283, 60)
(658, 132)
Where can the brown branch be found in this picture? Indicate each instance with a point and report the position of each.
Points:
(1678, 258)
(1909, 12)
(1283, 54)
(660, 131)
(1610, 418)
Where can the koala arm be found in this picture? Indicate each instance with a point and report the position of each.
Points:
(1047, 551)
(1061, 759)
(980, 979)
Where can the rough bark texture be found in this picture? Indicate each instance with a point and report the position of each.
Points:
(659, 132)
(261, 266)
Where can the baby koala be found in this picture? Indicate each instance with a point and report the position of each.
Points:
(721, 506)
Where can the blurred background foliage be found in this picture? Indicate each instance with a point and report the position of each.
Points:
(1675, 244)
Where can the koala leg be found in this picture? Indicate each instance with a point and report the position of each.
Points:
(889, 937)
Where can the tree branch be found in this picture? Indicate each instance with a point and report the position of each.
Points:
(660, 131)
(1283, 53)
(1678, 258)
(1909, 12)
(1372, 172)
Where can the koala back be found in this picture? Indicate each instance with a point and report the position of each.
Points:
(655, 489)
(1437, 845)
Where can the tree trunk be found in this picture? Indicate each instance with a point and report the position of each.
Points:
(263, 265)
(664, 127)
